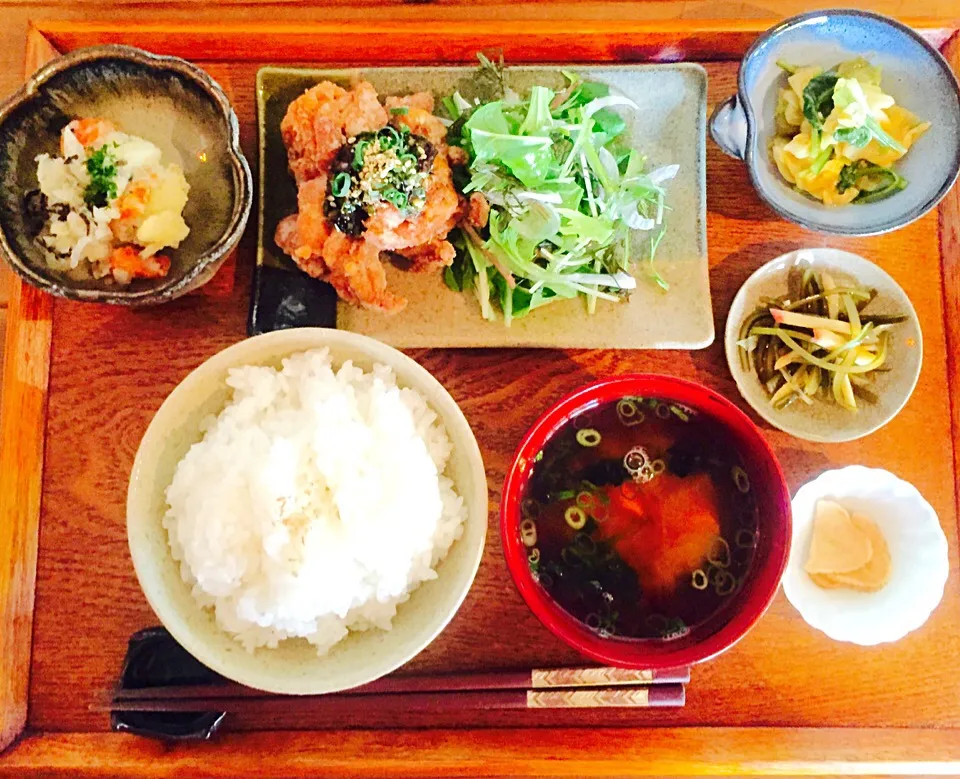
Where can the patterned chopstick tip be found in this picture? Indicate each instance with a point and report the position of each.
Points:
(587, 677)
(588, 699)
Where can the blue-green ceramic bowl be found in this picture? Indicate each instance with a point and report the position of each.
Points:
(914, 73)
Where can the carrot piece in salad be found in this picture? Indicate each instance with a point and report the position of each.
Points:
(88, 131)
(127, 264)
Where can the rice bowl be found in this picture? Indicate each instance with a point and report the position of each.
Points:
(266, 619)
(315, 502)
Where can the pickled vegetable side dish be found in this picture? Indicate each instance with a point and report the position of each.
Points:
(839, 134)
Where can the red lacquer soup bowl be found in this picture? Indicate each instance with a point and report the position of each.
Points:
(772, 538)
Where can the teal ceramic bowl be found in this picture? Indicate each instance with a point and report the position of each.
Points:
(166, 100)
(914, 73)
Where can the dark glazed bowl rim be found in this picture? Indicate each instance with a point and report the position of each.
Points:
(794, 21)
(765, 579)
(243, 197)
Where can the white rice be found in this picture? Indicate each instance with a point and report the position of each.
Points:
(315, 503)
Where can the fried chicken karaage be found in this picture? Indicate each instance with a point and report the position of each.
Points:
(370, 179)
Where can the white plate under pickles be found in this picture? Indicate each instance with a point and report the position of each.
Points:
(825, 421)
(918, 552)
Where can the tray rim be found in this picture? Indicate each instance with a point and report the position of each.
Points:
(704, 339)
(691, 750)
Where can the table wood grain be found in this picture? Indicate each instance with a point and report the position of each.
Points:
(784, 700)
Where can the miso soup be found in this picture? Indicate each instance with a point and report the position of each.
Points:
(638, 519)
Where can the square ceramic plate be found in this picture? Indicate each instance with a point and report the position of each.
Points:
(670, 127)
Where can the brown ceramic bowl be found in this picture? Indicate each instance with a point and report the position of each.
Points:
(166, 100)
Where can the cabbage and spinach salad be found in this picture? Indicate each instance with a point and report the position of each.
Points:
(573, 210)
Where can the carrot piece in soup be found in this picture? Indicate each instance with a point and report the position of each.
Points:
(666, 530)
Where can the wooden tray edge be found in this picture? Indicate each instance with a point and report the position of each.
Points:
(347, 34)
(949, 214)
(499, 752)
(23, 411)
(637, 752)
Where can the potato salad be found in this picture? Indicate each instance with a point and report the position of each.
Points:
(107, 206)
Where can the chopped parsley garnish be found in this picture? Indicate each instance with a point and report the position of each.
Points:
(102, 167)
(390, 165)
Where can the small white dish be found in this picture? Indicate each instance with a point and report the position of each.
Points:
(918, 551)
(827, 422)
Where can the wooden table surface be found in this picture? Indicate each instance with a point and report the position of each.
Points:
(788, 676)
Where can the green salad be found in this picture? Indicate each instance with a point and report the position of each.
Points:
(566, 200)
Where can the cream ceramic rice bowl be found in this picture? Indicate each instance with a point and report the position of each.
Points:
(294, 666)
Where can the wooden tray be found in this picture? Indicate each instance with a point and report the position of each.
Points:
(81, 382)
